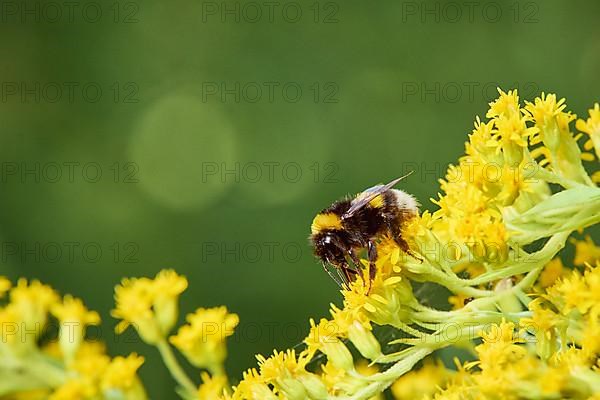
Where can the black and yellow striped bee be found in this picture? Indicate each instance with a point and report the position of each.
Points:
(350, 225)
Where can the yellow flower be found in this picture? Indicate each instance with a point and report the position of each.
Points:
(91, 361)
(134, 298)
(324, 337)
(253, 387)
(512, 134)
(562, 148)
(482, 142)
(544, 109)
(74, 317)
(357, 328)
(339, 381)
(552, 272)
(499, 347)
(586, 251)
(591, 126)
(121, 373)
(579, 292)
(167, 286)
(544, 324)
(287, 373)
(384, 300)
(457, 301)
(73, 389)
(202, 340)
(418, 384)
(31, 302)
(571, 359)
(5, 286)
(149, 305)
(590, 344)
(506, 104)
(212, 387)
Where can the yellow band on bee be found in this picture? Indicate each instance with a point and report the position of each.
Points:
(377, 201)
(325, 221)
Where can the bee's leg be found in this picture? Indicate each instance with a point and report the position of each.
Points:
(344, 271)
(372, 254)
(355, 259)
(396, 232)
(350, 273)
(405, 248)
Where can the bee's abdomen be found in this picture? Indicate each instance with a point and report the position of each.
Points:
(405, 202)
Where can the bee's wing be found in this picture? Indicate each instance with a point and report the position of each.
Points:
(369, 194)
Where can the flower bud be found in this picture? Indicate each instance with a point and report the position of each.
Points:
(338, 354)
(292, 389)
(364, 341)
(314, 386)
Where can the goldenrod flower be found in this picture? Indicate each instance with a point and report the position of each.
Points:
(457, 301)
(357, 329)
(73, 317)
(134, 298)
(339, 381)
(586, 252)
(91, 361)
(499, 346)
(544, 324)
(28, 308)
(551, 273)
(324, 337)
(287, 373)
(555, 134)
(167, 286)
(506, 104)
(253, 387)
(149, 305)
(203, 339)
(212, 387)
(121, 374)
(73, 389)
(420, 383)
(34, 295)
(579, 292)
(5, 286)
(591, 127)
(544, 110)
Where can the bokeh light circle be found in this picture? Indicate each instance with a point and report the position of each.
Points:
(176, 140)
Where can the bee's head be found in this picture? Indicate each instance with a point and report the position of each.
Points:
(329, 245)
(326, 239)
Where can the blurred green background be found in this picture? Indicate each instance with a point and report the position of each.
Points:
(203, 136)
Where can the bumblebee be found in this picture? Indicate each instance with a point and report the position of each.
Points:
(342, 230)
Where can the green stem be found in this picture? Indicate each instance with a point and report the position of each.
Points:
(455, 285)
(174, 368)
(384, 379)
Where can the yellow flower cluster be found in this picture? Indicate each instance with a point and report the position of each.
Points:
(495, 202)
(150, 305)
(203, 339)
(504, 213)
(565, 324)
(61, 367)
